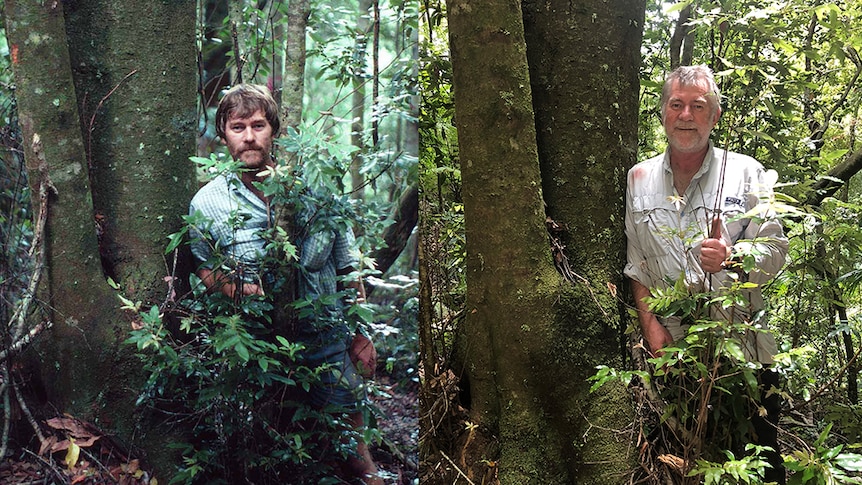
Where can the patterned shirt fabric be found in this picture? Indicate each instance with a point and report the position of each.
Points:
(235, 222)
(665, 232)
(323, 253)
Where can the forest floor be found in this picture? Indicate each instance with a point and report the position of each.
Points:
(396, 455)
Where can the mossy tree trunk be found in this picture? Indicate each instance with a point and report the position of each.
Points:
(82, 308)
(121, 159)
(532, 336)
(136, 77)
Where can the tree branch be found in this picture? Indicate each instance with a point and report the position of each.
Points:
(838, 176)
(406, 216)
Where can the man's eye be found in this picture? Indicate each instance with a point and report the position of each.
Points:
(237, 128)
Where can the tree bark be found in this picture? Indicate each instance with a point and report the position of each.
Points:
(559, 132)
(406, 215)
(123, 158)
(836, 178)
(139, 124)
(86, 336)
(294, 63)
(682, 40)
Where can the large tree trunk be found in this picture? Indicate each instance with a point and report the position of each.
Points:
(86, 334)
(135, 75)
(124, 161)
(532, 336)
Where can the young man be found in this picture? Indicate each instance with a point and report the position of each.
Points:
(247, 122)
(670, 208)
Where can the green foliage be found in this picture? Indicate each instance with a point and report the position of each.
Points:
(823, 464)
(216, 362)
(748, 469)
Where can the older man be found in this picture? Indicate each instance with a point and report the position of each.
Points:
(682, 220)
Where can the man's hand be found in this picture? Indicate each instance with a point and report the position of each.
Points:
(656, 335)
(363, 355)
(713, 254)
(247, 289)
(216, 281)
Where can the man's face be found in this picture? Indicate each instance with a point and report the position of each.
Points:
(689, 118)
(249, 140)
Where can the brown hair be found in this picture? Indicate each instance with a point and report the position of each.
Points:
(242, 101)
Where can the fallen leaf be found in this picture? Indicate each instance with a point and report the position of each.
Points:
(72, 455)
(47, 444)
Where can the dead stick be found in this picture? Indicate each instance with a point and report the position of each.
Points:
(22, 342)
(26, 410)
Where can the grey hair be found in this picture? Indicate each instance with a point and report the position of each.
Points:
(691, 76)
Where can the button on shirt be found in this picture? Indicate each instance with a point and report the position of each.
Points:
(665, 230)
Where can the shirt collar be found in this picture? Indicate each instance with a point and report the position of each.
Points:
(704, 167)
(238, 188)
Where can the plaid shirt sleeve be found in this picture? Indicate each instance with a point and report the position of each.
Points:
(342, 250)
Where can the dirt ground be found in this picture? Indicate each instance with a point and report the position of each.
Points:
(398, 455)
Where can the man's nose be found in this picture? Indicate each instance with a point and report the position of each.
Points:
(686, 112)
(248, 135)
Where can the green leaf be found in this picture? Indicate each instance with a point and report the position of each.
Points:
(242, 351)
(849, 461)
(176, 239)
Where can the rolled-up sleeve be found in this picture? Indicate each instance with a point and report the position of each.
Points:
(634, 254)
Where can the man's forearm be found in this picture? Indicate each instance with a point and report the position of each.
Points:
(656, 335)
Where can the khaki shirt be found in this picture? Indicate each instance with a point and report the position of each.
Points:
(665, 232)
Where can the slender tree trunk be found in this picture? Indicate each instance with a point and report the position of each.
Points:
(243, 68)
(360, 83)
(682, 40)
(294, 63)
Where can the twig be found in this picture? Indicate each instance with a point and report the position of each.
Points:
(7, 416)
(45, 187)
(19, 344)
(50, 465)
(828, 385)
(25, 409)
(106, 472)
(561, 261)
(457, 469)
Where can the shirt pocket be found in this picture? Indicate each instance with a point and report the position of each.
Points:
(654, 219)
(732, 208)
